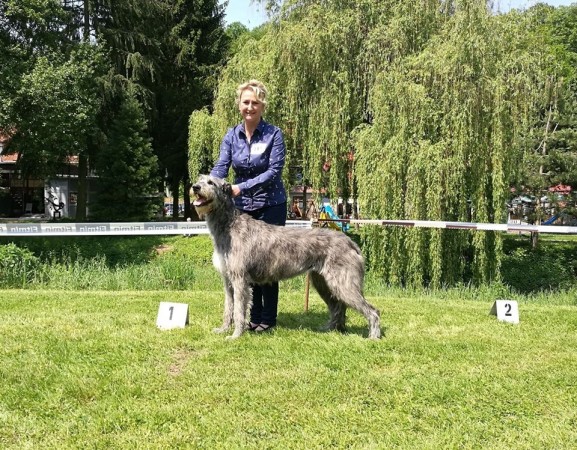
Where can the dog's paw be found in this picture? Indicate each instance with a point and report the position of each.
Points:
(220, 330)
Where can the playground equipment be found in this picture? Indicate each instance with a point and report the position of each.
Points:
(551, 220)
(327, 212)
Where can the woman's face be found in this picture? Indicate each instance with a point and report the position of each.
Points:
(250, 107)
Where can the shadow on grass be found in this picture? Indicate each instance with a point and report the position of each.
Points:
(317, 321)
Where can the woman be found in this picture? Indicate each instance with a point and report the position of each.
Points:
(256, 151)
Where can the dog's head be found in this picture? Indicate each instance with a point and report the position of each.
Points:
(210, 192)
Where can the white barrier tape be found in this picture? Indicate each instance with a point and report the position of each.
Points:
(511, 228)
(190, 228)
(116, 228)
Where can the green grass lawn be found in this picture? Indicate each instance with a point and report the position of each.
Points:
(91, 370)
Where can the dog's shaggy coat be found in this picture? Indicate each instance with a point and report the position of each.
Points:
(249, 251)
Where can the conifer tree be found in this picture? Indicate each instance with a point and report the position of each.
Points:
(127, 169)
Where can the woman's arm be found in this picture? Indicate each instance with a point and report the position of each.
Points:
(275, 165)
(221, 167)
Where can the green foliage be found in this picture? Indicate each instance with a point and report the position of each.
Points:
(238, 35)
(550, 156)
(419, 111)
(193, 45)
(446, 124)
(528, 270)
(560, 161)
(112, 263)
(201, 143)
(550, 267)
(116, 251)
(128, 170)
(197, 250)
(17, 265)
(56, 109)
(35, 26)
(161, 262)
(12, 256)
(65, 64)
(235, 33)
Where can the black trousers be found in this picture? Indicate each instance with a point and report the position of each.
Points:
(265, 297)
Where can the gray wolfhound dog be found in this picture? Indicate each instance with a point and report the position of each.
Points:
(249, 251)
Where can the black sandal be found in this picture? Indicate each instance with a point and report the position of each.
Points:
(252, 326)
(263, 327)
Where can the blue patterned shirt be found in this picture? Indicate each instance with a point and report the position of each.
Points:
(257, 165)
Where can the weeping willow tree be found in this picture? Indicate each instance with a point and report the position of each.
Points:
(419, 109)
(319, 60)
(448, 129)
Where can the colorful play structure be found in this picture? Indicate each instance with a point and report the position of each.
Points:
(327, 212)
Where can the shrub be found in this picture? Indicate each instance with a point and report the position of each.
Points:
(527, 270)
(17, 265)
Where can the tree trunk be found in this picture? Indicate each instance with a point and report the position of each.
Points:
(82, 187)
(83, 157)
(175, 199)
(535, 235)
(534, 239)
(189, 212)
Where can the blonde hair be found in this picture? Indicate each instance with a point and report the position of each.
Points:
(255, 86)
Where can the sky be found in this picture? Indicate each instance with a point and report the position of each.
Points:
(522, 4)
(252, 14)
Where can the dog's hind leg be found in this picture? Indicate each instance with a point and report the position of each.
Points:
(369, 311)
(242, 301)
(228, 306)
(337, 310)
(346, 287)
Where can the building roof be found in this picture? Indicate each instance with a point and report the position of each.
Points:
(561, 188)
(12, 158)
(9, 159)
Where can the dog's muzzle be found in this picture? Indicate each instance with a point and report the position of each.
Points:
(200, 200)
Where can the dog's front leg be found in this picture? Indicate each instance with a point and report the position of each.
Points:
(242, 298)
(228, 306)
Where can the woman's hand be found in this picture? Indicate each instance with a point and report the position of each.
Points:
(235, 190)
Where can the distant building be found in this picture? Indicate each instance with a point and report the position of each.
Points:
(19, 196)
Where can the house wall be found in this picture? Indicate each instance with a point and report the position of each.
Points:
(61, 198)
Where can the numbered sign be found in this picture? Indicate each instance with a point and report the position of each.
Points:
(506, 310)
(172, 315)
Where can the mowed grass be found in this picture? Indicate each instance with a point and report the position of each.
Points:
(91, 370)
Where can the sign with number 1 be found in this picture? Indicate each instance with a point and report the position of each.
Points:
(172, 315)
(506, 310)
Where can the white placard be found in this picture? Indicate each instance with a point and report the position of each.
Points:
(172, 315)
(506, 310)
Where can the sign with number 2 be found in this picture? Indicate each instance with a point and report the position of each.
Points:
(506, 310)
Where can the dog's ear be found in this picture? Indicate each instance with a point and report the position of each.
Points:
(227, 188)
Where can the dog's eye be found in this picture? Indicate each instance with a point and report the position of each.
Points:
(210, 182)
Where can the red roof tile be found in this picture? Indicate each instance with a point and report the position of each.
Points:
(8, 158)
(560, 188)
